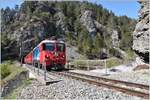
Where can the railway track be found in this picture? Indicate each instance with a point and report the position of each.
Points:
(129, 88)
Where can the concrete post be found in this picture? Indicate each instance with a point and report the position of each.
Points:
(68, 65)
(34, 66)
(20, 51)
(88, 65)
(38, 67)
(105, 67)
(45, 71)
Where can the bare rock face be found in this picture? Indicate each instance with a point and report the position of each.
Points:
(142, 32)
(60, 21)
(88, 21)
(115, 38)
(94, 26)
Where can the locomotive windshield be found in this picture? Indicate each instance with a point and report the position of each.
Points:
(60, 47)
(49, 46)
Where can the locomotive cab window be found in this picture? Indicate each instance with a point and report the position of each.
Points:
(49, 46)
(60, 47)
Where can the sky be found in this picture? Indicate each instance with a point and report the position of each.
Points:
(129, 8)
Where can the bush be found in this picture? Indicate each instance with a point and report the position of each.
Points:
(113, 62)
(115, 53)
(130, 54)
(5, 71)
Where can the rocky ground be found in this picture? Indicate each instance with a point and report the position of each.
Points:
(71, 53)
(71, 89)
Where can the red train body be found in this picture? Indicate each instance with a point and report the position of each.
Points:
(49, 52)
(28, 58)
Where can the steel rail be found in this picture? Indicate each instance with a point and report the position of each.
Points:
(142, 86)
(128, 91)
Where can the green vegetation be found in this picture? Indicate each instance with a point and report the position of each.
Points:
(15, 92)
(130, 54)
(9, 71)
(111, 62)
(5, 71)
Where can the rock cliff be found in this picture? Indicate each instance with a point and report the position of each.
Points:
(95, 27)
(142, 32)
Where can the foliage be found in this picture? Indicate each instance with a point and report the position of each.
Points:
(130, 54)
(113, 62)
(5, 71)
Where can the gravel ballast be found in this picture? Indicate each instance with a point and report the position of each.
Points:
(71, 89)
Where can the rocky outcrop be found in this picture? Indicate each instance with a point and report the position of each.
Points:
(71, 53)
(94, 26)
(60, 21)
(141, 32)
(88, 21)
(115, 38)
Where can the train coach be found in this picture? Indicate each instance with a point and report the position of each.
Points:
(51, 53)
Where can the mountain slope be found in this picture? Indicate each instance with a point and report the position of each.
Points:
(89, 27)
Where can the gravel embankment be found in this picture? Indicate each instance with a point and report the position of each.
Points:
(71, 89)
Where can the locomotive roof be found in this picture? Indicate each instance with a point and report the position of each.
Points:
(49, 41)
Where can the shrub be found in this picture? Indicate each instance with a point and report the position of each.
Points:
(130, 54)
(113, 62)
(5, 71)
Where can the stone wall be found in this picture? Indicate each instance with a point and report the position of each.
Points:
(13, 83)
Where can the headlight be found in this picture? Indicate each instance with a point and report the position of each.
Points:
(46, 57)
(56, 54)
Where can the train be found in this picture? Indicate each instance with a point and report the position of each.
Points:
(50, 53)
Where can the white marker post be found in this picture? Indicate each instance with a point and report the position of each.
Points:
(87, 65)
(38, 67)
(105, 67)
(45, 71)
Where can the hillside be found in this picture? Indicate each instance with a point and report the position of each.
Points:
(89, 27)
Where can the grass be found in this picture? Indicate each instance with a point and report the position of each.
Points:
(113, 62)
(130, 54)
(15, 92)
(5, 71)
(85, 63)
(9, 70)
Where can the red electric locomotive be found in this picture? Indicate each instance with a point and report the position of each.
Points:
(52, 53)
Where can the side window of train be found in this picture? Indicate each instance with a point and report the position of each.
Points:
(44, 46)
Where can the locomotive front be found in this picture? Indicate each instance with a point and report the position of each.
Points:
(53, 54)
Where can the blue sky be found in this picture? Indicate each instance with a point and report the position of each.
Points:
(129, 8)
(119, 7)
(10, 3)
